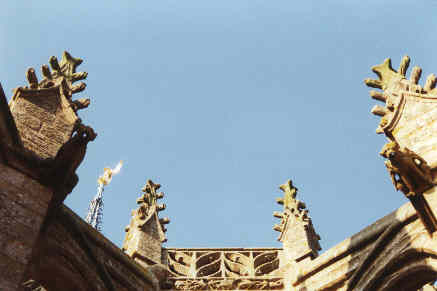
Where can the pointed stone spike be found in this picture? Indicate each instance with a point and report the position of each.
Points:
(78, 88)
(159, 195)
(278, 214)
(31, 78)
(53, 61)
(280, 201)
(403, 67)
(164, 220)
(379, 110)
(377, 95)
(430, 82)
(46, 71)
(277, 227)
(379, 130)
(415, 74)
(381, 69)
(160, 207)
(373, 83)
(79, 76)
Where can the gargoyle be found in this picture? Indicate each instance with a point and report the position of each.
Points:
(71, 154)
(67, 160)
(409, 172)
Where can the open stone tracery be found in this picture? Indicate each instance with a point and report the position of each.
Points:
(212, 269)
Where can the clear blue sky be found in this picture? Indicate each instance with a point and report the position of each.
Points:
(223, 101)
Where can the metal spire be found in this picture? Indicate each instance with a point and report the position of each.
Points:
(95, 209)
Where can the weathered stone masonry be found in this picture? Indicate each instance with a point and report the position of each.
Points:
(45, 246)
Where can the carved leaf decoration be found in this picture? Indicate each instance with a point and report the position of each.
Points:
(394, 85)
(191, 285)
(179, 269)
(235, 269)
(212, 267)
(267, 268)
(237, 264)
(222, 284)
(209, 265)
(206, 258)
(210, 270)
(230, 284)
(265, 263)
(180, 263)
(183, 258)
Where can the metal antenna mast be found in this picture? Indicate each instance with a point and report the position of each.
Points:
(95, 210)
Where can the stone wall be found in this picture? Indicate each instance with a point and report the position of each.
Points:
(45, 244)
(23, 207)
(44, 119)
(71, 255)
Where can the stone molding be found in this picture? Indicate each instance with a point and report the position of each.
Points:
(226, 283)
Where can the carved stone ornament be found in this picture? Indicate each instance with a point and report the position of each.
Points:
(409, 172)
(220, 263)
(228, 284)
(293, 208)
(410, 113)
(32, 285)
(44, 112)
(148, 207)
(64, 75)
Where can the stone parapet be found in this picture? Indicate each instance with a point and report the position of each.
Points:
(224, 268)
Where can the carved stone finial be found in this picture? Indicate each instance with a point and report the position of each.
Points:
(64, 70)
(295, 207)
(146, 231)
(148, 201)
(44, 111)
(289, 199)
(68, 67)
(296, 228)
(31, 78)
(396, 89)
(386, 74)
(409, 172)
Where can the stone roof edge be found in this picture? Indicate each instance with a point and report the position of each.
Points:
(6, 118)
(101, 241)
(404, 214)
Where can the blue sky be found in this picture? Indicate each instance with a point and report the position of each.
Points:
(223, 101)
